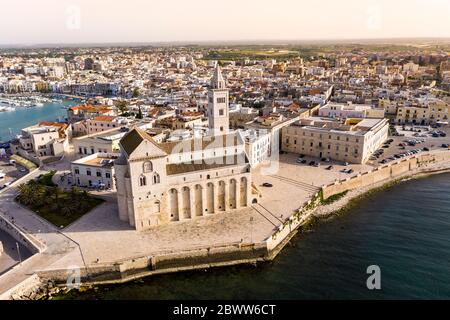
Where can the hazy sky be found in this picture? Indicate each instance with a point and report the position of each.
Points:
(75, 21)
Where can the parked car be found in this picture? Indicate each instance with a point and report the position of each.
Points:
(329, 168)
(426, 149)
(267, 184)
(445, 145)
(312, 163)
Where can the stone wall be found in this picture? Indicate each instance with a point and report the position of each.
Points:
(387, 172)
(129, 269)
(19, 235)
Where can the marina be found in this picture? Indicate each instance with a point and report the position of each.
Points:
(15, 117)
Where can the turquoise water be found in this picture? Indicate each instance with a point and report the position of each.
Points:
(24, 117)
(404, 230)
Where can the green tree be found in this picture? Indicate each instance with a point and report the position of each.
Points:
(139, 115)
(122, 105)
(136, 93)
(31, 193)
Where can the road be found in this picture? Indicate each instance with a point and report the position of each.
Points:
(57, 245)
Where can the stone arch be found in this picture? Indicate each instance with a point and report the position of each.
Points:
(186, 202)
(243, 193)
(198, 200)
(209, 205)
(232, 203)
(147, 166)
(173, 204)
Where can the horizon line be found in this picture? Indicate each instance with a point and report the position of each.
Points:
(197, 42)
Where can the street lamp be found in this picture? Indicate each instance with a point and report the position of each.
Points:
(18, 252)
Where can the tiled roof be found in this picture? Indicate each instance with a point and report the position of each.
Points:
(202, 143)
(133, 139)
(178, 168)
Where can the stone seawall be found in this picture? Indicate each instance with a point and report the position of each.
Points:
(388, 172)
(126, 270)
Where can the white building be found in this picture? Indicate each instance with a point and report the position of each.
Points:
(353, 141)
(45, 139)
(257, 145)
(349, 110)
(94, 171)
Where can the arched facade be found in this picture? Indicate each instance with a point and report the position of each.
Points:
(207, 198)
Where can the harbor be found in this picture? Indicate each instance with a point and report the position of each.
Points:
(17, 113)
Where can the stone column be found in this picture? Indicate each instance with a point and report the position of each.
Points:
(180, 204)
(226, 196)
(238, 193)
(216, 197)
(192, 202)
(204, 199)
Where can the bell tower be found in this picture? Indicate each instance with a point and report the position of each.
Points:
(218, 119)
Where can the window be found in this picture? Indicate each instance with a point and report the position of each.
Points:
(88, 172)
(77, 171)
(221, 112)
(99, 174)
(156, 178)
(148, 166)
(108, 175)
(221, 100)
(156, 207)
(142, 181)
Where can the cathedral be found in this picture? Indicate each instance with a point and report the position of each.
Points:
(167, 182)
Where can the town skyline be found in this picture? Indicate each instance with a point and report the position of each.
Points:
(100, 22)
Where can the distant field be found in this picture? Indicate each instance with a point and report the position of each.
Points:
(237, 54)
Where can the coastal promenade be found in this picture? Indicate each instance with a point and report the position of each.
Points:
(109, 251)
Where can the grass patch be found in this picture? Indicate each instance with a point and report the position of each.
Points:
(54, 214)
(334, 198)
(251, 53)
(57, 206)
(23, 162)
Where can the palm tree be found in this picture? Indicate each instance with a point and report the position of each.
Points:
(31, 193)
